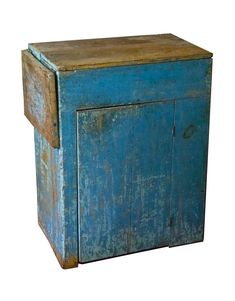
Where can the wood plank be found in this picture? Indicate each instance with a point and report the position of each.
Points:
(189, 170)
(124, 179)
(95, 53)
(133, 84)
(51, 201)
(40, 100)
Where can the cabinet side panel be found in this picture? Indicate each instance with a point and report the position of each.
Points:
(50, 205)
(189, 171)
(57, 188)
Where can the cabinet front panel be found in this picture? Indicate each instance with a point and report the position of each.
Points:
(124, 179)
(104, 87)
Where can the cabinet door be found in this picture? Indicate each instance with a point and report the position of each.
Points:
(124, 179)
(189, 170)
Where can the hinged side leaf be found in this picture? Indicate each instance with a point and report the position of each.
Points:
(40, 100)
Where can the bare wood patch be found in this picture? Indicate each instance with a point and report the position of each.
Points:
(40, 100)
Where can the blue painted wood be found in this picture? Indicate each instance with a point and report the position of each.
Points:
(151, 158)
(68, 163)
(133, 84)
(57, 213)
(49, 200)
(186, 84)
(189, 170)
(124, 179)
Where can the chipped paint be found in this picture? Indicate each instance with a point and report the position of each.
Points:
(189, 167)
(115, 184)
(65, 263)
(189, 131)
(121, 197)
(123, 85)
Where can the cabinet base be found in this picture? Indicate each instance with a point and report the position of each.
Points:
(69, 263)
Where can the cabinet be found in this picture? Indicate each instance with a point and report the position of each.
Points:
(121, 140)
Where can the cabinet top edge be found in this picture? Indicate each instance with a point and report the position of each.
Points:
(110, 52)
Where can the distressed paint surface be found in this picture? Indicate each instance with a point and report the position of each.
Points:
(96, 53)
(135, 84)
(105, 87)
(50, 205)
(52, 211)
(40, 99)
(189, 170)
(69, 181)
(124, 179)
(178, 81)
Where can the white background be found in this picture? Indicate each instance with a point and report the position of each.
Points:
(29, 269)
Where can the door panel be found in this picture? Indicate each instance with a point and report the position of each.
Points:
(189, 170)
(124, 179)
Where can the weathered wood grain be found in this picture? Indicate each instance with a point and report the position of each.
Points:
(53, 202)
(40, 100)
(124, 180)
(95, 53)
(189, 169)
(120, 181)
(122, 85)
(116, 87)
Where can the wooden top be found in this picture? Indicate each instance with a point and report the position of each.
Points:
(95, 53)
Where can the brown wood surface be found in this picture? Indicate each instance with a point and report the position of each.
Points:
(95, 53)
(40, 100)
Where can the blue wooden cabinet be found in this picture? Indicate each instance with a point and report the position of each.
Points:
(121, 140)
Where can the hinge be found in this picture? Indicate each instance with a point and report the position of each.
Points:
(173, 131)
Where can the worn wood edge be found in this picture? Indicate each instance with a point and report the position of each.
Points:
(41, 58)
(53, 139)
(123, 63)
(53, 142)
(71, 262)
(187, 243)
(54, 66)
